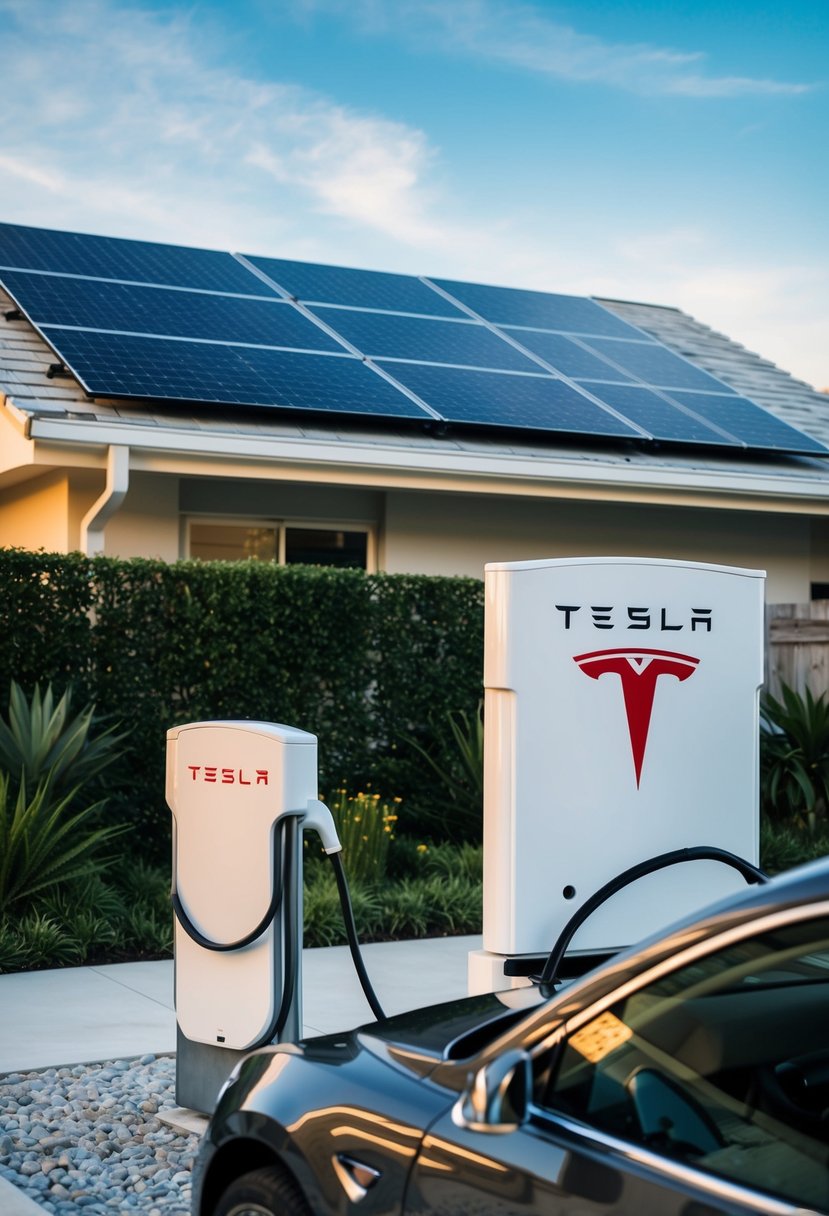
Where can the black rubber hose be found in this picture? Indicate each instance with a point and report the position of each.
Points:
(351, 934)
(290, 930)
(750, 873)
(199, 938)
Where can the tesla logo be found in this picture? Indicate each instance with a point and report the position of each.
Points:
(213, 775)
(639, 671)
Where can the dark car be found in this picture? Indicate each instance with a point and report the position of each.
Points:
(688, 1076)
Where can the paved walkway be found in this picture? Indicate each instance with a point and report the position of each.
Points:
(79, 1015)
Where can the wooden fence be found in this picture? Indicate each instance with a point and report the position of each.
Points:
(797, 646)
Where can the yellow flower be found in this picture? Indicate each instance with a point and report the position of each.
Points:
(422, 848)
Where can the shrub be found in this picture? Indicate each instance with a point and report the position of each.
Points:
(123, 914)
(41, 740)
(464, 861)
(456, 761)
(33, 941)
(43, 843)
(794, 770)
(365, 825)
(362, 661)
(782, 848)
(323, 918)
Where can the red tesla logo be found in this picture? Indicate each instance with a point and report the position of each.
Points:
(639, 671)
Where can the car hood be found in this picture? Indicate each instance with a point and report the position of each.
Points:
(452, 1030)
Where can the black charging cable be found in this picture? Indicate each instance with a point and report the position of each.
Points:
(548, 978)
(284, 849)
(290, 930)
(351, 934)
(276, 898)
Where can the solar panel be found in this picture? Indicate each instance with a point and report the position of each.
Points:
(123, 365)
(567, 356)
(505, 399)
(657, 416)
(109, 257)
(148, 321)
(755, 426)
(509, 306)
(319, 284)
(49, 299)
(387, 335)
(652, 362)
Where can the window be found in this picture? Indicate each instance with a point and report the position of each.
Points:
(722, 1065)
(233, 542)
(325, 547)
(286, 543)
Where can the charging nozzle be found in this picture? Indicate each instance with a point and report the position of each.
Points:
(318, 817)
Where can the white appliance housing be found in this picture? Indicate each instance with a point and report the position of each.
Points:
(228, 783)
(621, 721)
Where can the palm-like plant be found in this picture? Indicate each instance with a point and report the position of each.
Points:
(459, 769)
(41, 739)
(794, 754)
(42, 843)
(48, 833)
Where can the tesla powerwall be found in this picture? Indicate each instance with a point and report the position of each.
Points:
(621, 721)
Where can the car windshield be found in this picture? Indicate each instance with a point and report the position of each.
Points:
(722, 1064)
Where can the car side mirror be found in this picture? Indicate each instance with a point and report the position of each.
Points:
(496, 1098)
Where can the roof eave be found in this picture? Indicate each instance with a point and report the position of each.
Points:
(379, 464)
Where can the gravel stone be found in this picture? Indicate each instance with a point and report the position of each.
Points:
(87, 1139)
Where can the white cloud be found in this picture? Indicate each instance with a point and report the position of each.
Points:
(119, 108)
(120, 121)
(779, 311)
(525, 36)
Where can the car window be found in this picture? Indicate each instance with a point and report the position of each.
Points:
(722, 1064)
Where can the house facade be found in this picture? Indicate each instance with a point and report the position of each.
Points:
(129, 478)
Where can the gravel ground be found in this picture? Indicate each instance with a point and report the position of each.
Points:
(86, 1139)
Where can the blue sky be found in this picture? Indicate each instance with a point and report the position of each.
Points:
(671, 152)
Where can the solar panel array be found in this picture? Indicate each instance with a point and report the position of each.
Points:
(147, 321)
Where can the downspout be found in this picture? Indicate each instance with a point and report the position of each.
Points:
(102, 510)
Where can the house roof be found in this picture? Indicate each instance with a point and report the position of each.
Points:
(56, 413)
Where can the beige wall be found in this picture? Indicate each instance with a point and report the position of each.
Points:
(430, 533)
(454, 534)
(147, 522)
(35, 514)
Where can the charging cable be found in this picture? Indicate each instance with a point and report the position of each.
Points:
(319, 817)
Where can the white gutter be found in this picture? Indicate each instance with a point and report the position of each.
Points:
(507, 472)
(102, 510)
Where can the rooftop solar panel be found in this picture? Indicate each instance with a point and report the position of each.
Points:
(653, 363)
(109, 257)
(755, 426)
(319, 284)
(567, 355)
(505, 399)
(657, 416)
(387, 335)
(509, 306)
(123, 365)
(94, 304)
(148, 321)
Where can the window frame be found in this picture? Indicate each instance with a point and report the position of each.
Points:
(280, 524)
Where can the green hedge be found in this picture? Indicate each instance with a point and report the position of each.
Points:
(365, 662)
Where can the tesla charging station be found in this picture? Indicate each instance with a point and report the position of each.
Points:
(621, 712)
(234, 789)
